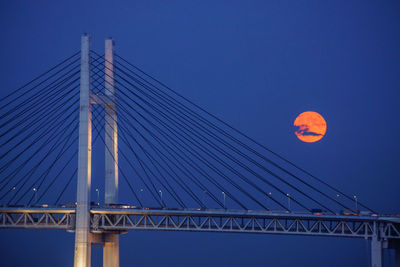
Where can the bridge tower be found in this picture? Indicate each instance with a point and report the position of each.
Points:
(111, 240)
(83, 237)
(82, 251)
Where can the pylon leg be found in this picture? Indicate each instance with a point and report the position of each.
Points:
(82, 224)
(111, 244)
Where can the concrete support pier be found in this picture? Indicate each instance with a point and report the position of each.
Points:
(394, 245)
(376, 252)
(82, 226)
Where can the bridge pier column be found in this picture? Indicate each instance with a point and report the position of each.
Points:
(376, 252)
(111, 250)
(394, 244)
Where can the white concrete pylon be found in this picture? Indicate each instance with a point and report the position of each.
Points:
(111, 135)
(111, 241)
(82, 252)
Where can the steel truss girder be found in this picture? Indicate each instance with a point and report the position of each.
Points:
(37, 218)
(244, 222)
(117, 220)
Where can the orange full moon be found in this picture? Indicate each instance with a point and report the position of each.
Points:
(310, 126)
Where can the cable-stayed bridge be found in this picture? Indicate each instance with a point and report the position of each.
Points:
(182, 168)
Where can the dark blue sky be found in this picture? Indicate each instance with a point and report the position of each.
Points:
(257, 65)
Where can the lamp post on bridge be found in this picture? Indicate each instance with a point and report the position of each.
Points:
(355, 200)
(159, 191)
(269, 196)
(98, 196)
(35, 194)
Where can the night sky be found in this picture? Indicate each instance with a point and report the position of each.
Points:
(257, 65)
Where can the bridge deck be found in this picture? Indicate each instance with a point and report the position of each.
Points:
(123, 219)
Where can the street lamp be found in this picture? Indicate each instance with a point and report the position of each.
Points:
(288, 200)
(223, 193)
(98, 196)
(159, 191)
(355, 199)
(35, 194)
(140, 195)
(269, 196)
